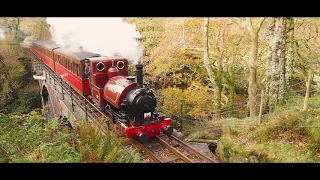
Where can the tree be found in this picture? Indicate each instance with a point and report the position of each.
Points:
(269, 59)
(206, 52)
(290, 51)
(207, 65)
(277, 85)
(231, 67)
(13, 25)
(215, 68)
(252, 90)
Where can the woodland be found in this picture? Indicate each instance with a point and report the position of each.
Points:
(252, 84)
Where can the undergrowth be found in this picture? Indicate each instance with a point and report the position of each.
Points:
(287, 135)
(29, 138)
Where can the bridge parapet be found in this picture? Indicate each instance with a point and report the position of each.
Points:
(56, 96)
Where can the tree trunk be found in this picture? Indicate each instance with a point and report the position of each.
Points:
(269, 59)
(276, 91)
(232, 90)
(206, 52)
(305, 104)
(16, 31)
(290, 51)
(211, 75)
(217, 93)
(282, 62)
(218, 87)
(252, 90)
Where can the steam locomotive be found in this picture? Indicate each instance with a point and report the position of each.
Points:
(126, 99)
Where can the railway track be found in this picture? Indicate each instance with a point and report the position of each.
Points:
(170, 149)
(162, 149)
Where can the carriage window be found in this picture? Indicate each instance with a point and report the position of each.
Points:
(77, 69)
(69, 64)
(73, 67)
(64, 62)
(59, 59)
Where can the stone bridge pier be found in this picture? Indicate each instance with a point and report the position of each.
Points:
(56, 101)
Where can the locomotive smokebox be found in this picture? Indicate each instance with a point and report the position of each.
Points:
(139, 71)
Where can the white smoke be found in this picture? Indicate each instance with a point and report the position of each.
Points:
(2, 34)
(105, 36)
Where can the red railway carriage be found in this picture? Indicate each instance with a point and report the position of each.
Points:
(44, 50)
(70, 66)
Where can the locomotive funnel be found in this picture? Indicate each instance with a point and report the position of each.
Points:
(139, 71)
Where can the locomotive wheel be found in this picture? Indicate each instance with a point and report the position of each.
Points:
(143, 137)
(168, 131)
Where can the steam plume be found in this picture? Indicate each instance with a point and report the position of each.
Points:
(105, 36)
(2, 35)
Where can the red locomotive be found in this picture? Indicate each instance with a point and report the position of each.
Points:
(125, 98)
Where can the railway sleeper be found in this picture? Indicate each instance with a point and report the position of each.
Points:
(171, 158)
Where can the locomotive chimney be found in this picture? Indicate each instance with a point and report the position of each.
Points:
(139, 71)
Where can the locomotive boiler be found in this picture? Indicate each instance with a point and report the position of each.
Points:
(135, 105)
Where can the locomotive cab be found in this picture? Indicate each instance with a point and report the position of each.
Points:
(102, 68)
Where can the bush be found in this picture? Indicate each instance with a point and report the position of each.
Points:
(28, 138)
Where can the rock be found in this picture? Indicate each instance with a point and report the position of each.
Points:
(202, 147)
(177, 134)
(253, 159)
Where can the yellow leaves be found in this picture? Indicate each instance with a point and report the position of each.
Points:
(197, 102)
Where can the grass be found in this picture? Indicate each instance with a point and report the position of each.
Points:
(284, 136)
